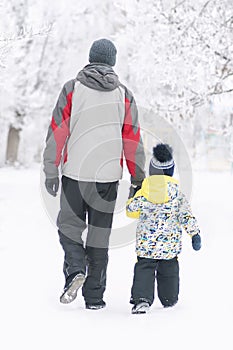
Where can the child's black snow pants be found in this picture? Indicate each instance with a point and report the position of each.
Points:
(167, 275)
(97, 201)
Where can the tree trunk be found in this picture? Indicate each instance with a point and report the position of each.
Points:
(12, 145)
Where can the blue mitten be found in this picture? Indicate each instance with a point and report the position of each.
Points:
(196, 242)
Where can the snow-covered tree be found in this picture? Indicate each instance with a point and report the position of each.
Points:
(20, 40)
(180, 52)
(180, 63)
(175, 55)
(39, 64)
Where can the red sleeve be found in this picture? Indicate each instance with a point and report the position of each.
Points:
(132, 142)
(58, 131)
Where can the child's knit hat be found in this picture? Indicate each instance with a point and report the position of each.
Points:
(162, 162)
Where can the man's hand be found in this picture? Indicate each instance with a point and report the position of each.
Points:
(133, 189)
(52, 186)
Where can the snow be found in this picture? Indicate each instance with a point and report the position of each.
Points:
(31, 279)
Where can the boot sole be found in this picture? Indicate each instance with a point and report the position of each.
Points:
(71, 293)
(95, 307)
(141, 309)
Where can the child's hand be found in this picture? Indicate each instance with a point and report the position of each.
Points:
(196, 242)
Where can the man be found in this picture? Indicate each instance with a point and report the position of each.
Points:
(94, 122)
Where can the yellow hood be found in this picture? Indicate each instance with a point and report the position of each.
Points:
(155, 188)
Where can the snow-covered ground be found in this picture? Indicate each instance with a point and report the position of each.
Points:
(31, 279)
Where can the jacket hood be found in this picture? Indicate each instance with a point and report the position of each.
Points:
(98, 77)
(159, 189)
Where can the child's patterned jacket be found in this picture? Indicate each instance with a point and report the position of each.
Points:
(162, 211)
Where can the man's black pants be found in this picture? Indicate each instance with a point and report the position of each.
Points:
(96, 201)
(167, 275)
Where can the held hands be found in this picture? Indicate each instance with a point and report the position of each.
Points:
(133, 189)
(196, 242)
(52, 186)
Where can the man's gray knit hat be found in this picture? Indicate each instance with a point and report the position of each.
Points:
(103, 51)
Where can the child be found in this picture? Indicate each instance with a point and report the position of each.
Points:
(162, 211)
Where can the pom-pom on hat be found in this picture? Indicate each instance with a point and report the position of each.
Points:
(162, 162)
(103, 51)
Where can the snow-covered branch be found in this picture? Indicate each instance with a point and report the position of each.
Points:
(26, 33)
(177, 5)
(196, 17)
(220, 92)
(8, 40)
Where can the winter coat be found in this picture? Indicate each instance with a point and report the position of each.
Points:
(163, 211)
(94, 122)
